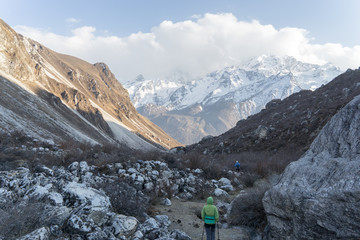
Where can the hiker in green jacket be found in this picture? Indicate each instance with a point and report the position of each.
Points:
(210, 215)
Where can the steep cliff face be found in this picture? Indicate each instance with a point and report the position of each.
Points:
(318, 196)
(86, 97)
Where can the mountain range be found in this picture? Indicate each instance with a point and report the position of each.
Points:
(289, 125)
(189, 109)
(56, 97)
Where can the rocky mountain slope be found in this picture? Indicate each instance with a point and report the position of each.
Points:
(58, 97)
(290, 124)
(318, 196)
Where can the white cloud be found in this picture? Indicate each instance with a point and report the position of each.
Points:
(198, 46)
(72, 20)
(196, 16)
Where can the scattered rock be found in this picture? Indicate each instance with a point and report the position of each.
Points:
(166, 202)
(74, 208)
(220, 193)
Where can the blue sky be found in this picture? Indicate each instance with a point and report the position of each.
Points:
(143, 36)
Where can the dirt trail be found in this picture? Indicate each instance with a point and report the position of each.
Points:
(183, 216)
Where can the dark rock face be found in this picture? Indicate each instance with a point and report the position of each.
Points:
(318, 196)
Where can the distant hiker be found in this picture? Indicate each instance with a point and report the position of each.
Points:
(210, 215)
(237, 166)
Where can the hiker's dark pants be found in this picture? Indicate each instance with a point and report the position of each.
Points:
(210, 231)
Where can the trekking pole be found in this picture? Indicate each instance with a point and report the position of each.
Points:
(202, 235)
(217, 226)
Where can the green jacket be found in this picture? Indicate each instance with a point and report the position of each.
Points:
(210, 210)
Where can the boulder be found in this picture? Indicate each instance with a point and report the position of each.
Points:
(132, 170)
(80, 224)
(148, 187)
(73, 167)
(219, 192)
(179, 235)
(149, 225)
(121, 225)
(226, 184)
(38, 234)
(45, 170)
(318, 196)
(54, 215)
(224, 181)
(83, 167)
(97, 234)
(5, 196)
(165, 202)
(163, 220)
(77, 194)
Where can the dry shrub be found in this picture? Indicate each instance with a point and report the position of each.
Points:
(248, 179)
(195, 160)
(125, 199)
(212, 168)
(173, 161)
(203, 190)
(18, 219)
(247, 209)
(14, 138)
(262, 164)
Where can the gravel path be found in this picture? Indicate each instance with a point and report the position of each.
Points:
(183, 216)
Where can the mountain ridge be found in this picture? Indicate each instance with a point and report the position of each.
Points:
(225, 96)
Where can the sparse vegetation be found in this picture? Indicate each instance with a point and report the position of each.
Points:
(18, 218)
(248, 210)
(125, 199)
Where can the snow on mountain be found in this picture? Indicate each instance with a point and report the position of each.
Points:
(249, 87)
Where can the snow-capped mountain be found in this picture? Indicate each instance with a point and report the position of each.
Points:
(190, 109)
(57, 97)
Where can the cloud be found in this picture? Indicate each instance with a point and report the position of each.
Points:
(196, 46)
(196, 16)
(72, 20)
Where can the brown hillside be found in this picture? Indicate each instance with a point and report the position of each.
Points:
(90, 89)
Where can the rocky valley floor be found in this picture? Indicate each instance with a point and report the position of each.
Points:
(182, 215)
(82, 201)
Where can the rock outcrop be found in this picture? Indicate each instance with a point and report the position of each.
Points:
(318, 196)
